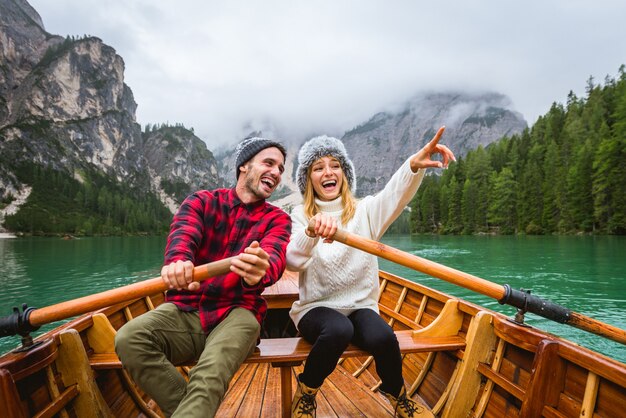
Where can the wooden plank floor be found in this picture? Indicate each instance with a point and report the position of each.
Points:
(255, 392)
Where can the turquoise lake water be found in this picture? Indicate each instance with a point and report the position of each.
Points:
(584, 274)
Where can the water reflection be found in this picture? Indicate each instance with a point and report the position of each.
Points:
(45, 271)
(584, 274)
(13, 272)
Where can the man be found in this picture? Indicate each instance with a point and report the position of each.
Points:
(216, 322)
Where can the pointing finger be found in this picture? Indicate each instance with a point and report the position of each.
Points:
(433, 142)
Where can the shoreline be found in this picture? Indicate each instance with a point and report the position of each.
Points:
(7, 235)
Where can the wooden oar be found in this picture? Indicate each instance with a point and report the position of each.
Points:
(503, 293)
(38, 317)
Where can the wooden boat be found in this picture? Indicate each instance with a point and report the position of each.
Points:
(459, 360)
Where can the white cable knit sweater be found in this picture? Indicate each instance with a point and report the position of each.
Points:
(338, 276)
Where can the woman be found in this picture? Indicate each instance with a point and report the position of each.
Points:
(339, 284)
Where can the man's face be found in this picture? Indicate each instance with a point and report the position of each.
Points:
(262, 174)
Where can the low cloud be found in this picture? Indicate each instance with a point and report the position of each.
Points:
(297, 69)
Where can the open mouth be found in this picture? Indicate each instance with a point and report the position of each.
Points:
(329, 184)
(268, 182)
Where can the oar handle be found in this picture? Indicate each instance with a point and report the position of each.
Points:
(121, 294)
(431, 268)
(502, 293)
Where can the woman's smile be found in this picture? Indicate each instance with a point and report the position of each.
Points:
(327, 178)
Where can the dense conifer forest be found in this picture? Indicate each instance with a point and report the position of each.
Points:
(564, 175)
(60, 204)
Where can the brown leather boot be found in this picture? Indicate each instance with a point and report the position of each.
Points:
(303, 404)
(406, 407)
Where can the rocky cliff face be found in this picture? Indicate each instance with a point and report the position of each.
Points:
(380, 145)
(64, 104)
(23, 41)
(73, 108)
(180, 164)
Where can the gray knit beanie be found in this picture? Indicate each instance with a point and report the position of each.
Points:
(322, 146)
(250, 147)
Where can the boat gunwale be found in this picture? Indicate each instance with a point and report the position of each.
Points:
(85, 321)
(519, 336)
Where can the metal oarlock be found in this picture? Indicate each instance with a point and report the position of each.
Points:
(525, 302)
(18, 324)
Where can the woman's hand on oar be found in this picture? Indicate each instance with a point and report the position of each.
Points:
(322, 225)
(422, 159)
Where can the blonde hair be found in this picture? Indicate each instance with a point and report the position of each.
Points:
(348, 200)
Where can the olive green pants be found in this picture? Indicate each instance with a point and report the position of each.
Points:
(151, 345)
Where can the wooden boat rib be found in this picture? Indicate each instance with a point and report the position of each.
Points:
(500, 368)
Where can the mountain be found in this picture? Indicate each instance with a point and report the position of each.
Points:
(64, 106)
(73, 155)
(379, 146)
(179, 163)
(565, 175)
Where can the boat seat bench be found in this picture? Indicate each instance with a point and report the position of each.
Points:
(286, 353)
(295, 349)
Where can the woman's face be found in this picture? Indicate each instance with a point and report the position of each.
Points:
(326, 178)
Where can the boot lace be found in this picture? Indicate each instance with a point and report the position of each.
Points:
(408, 405)
(306, 405)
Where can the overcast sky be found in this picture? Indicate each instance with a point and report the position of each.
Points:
(297, 68)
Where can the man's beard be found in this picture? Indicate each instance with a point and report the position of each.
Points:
(254, 186)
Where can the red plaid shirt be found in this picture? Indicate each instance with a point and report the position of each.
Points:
(212, 225)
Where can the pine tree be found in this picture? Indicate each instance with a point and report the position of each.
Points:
(530, 197)
(502, 206)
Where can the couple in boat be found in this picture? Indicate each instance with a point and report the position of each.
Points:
(217, 323)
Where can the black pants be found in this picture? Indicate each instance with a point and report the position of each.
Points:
(330, 332)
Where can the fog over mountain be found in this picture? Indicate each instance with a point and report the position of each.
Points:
(301, 68)
(65, 104)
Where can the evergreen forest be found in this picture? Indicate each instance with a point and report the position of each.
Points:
(564, 175)
(60, 204)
